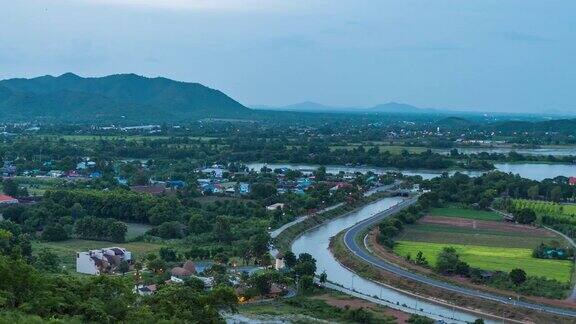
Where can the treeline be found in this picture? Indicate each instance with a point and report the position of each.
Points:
(105, 229)
(222, 227)
(480, 191)
(118, 204)
(314, 153)
(29, 295)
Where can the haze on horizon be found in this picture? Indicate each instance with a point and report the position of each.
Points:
(507, 56)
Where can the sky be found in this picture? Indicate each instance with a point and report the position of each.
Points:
(481, 55)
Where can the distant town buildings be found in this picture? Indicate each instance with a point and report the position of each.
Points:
(7, 200)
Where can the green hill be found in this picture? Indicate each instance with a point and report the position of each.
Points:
(112, 98)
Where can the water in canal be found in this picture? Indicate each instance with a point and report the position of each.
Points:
(316, 243)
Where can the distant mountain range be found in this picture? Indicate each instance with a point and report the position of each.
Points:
(391, 107)
(70, 97)
(137, 99)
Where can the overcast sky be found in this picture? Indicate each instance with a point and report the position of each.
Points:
(486, 55)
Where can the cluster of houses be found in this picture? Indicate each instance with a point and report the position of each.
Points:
(85, 169)
(223, 186)
(8, 169)
(107, 260)
(215, 181)
(157, 188)
(298, 186)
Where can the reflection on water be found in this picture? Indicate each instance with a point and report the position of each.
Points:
(335, 169)
(534, 171)
(538, 171)
(561, 151)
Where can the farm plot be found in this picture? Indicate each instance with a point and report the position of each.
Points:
(466, 213)
(483, 241)
(459, 235)
(492, 258)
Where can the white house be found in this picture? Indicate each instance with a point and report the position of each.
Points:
(105, 260)
(55, 174)
(279, 262)
(275, 206)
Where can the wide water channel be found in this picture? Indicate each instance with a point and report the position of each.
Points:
(316, 242)
(545, 151)
(534, 171)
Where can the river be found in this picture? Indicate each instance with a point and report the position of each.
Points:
(316, 242)
(554, 151)
(534, 171)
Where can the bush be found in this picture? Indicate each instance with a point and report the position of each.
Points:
(525, 216)
(169, 230)
(419, 319)
(54, 233)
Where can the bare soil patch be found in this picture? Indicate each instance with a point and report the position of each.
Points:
(485, 225)
(355, 303)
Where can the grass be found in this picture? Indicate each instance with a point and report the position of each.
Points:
(492, 258)
(467, 236)
(37, 186)
(66, 250)
(136, 229)
(466, 213)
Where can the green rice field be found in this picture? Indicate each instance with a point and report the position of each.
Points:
(466, 213)
(136, 229)
(492, 258)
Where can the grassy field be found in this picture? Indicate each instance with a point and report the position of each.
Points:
(66, 250)
(136, 229)
(492, 258)
(465, 213)
(456, 235)
(37, 186)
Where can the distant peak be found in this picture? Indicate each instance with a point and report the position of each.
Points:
(308, 102)
(69, 75)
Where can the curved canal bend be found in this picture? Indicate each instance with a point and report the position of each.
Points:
(316, 242)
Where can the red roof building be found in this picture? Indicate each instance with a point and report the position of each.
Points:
(6, 200)
(572, 181)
